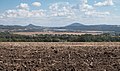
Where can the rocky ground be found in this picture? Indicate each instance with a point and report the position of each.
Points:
(37, 57)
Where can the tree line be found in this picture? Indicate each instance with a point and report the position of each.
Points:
(8, 37)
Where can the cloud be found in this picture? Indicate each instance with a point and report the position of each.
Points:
(37, 4)
(61, 9)
(85, 6)
(56, 13)
(23, 6)
(105, 3)
(38, 13)
(23, 13)
(91, 11)
(1, 17)
(97, 14)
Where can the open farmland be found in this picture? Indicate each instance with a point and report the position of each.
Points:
(59, 56)
(59, 33)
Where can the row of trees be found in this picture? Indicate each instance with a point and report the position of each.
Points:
(7, 37)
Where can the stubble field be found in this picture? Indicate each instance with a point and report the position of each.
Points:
(59, 33)
(59, 56)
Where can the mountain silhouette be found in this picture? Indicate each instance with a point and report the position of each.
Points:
(75, 25)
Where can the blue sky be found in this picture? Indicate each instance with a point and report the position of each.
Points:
(59, 12)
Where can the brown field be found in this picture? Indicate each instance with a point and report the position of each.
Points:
(60, 33)
(59, 56)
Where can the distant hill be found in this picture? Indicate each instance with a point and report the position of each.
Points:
(75, 25)
(71, 27)
(78, 26)
(31, 25)
(18, 28)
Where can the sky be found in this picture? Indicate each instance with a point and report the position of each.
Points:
(59, 12)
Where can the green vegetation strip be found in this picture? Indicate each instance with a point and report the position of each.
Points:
(8, 37)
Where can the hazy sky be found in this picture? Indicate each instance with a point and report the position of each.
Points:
(59, 12)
